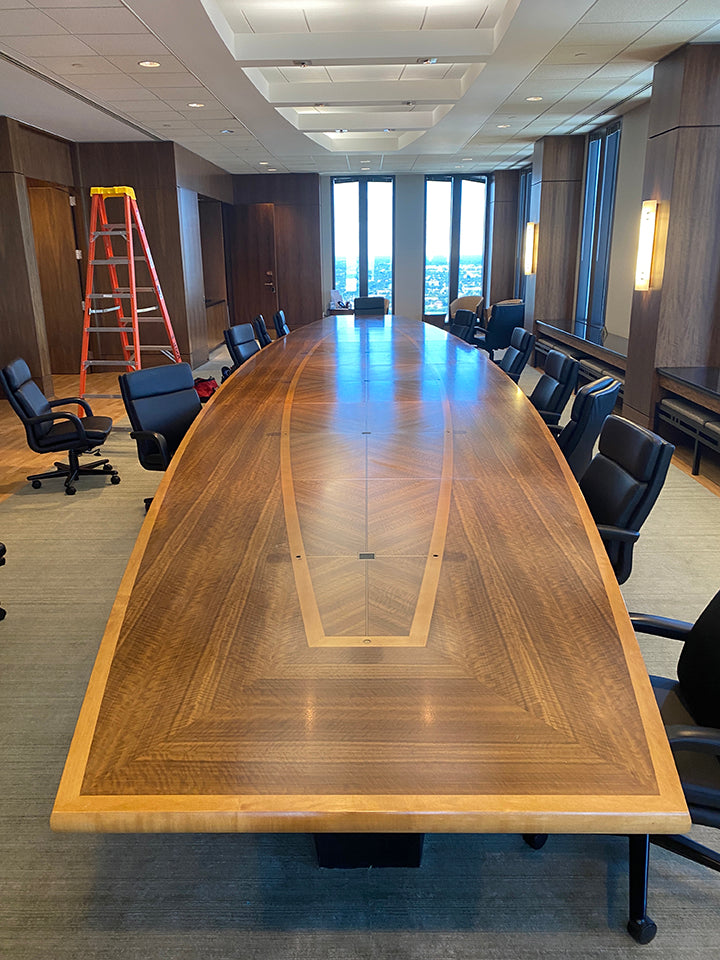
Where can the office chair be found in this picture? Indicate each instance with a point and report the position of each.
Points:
(592, 405)
(504, 317)
(376, 306)
(49, 431)
(281, 327)
(473, 303)
(241, 344)
(622, 484)
(463, 325)
(553, 389)
(515, 358)
(161, 403)
(261, 333)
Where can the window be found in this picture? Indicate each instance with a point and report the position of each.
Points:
(455, 212)
(524, 186)
(363, 236)
(600, 178)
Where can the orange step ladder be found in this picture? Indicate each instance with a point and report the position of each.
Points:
(114, 305)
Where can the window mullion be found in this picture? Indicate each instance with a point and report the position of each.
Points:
(363, 249)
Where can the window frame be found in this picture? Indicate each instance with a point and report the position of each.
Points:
(596, 231)
(455, 213)
(362, 182)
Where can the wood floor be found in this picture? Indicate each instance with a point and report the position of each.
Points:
(18, 460)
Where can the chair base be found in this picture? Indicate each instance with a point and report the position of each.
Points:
(685, 847)
(72, 470)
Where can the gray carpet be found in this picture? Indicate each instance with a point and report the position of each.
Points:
(68, 896)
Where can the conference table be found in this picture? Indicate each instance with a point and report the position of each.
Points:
(368, 598)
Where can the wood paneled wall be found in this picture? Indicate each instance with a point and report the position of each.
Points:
(677, 321)
(503, 218)
(295, 199)
(556, 205)
(25, 153)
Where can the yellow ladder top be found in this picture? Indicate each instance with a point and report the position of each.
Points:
(113, 191)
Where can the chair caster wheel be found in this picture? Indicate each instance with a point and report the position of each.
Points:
(36, 484)
(2, 613)
(643, 930)
(114, 479)
(70, 491)
(108, 468)
(535, 840)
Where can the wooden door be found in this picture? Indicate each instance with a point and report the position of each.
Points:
(254, 271)
(59, 269)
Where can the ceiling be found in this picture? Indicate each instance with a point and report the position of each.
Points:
(338, 86)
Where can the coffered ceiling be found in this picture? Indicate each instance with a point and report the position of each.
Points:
(338, 86)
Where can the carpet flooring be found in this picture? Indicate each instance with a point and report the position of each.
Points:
(177, 897)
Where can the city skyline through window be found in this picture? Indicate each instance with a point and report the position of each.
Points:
(363, 237)
(455, 210)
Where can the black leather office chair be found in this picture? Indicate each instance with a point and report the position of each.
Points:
(463, 325)
(49, 430)
(553, 389)
(515, 358)
(503, 319)
(622, 484)
(261, 332)
(376, 306)
(241, 344)
(592, 405)
(161, 403)
(281, 327)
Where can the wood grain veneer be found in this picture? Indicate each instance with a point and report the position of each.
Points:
(524, 707)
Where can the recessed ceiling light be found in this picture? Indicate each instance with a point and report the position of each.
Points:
(463, 159)
(227, 131)
(196, 105)
(75, 64)
(264, 163)
(533, 99)
(503, 126)
(272, 170)
(148, 63)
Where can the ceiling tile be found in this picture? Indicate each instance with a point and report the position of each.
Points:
(79, 66)
(98, 20)
(621, 11)
(168, 64)
(27, 23)
(137, 45)
(55, 45)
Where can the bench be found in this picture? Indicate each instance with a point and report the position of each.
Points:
(702, 426)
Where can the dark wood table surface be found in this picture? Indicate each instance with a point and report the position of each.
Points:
(369, 596)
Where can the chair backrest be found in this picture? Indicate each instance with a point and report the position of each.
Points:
(463, 325)
(26, 399)
(623, 481)
(473, 303)
(281, 327)
(553, 389)
(241, 342)
(515, 358)
(503, 319)
(262, 335)
(162, 400)
(592, 405)
(698, 668)
(374, 305)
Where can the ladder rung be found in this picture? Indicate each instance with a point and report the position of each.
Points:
(113, 261)
(102, 396)
(144, 319)
(124, 330)
(154, 346)
(119, 362)
(106, 310)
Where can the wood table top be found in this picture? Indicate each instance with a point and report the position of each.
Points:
(369, 596)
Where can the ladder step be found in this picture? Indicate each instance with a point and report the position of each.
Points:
(119, 362)
(102, 396)
(125, 330)
(143, 319)
(106, 310)
(114, 261)
(154, 346)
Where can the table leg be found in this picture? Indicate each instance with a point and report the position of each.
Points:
(640, 926)
(347, 850)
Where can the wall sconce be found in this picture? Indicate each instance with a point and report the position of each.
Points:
(646, 244)
(531, 244)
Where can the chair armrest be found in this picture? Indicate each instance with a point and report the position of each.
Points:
(608, 532)
(660, 626)
(699, 739)
(158, 439)
(550, 419)
(60, 403)
(54, 417)
(555, 429)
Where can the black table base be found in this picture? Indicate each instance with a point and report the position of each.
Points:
(347, 850)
